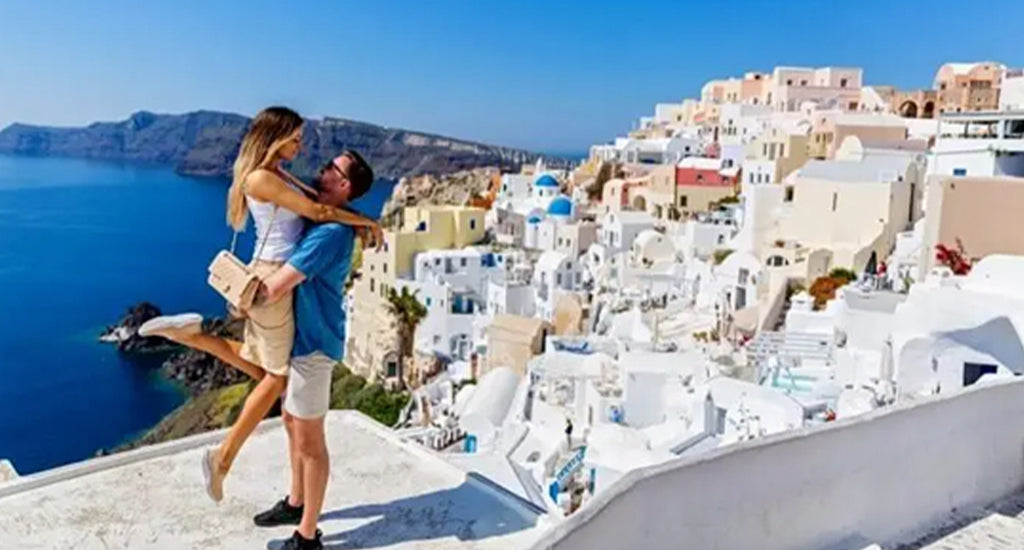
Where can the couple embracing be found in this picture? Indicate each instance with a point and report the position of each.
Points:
(295, 329)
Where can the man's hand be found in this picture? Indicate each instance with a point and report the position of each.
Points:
(279, 284)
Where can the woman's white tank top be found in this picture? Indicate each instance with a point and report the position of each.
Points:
(285, 229)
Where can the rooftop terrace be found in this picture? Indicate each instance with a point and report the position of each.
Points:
(383, 493)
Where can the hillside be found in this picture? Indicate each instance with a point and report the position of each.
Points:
(204, 143)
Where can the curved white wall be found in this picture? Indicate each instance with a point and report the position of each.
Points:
(885, 476)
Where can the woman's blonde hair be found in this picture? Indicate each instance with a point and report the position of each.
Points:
(268, 132)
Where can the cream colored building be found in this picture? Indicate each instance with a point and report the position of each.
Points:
(983, 213)
(829, 129)
(853, 209)
(775, 154)
(512, 341)
(655, 192)
(371, 347)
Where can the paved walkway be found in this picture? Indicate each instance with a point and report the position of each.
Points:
(383, 494)
(996, 527)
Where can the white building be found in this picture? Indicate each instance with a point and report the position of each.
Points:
(554, 274)
(979, 144)
(1011, 92)
(618, 229)
(953, 332)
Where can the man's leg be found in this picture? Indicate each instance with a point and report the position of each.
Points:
(287, 511)
(307, 399)
(296, 496)
(316, 467)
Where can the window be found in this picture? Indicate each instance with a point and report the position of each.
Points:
(744, 274)
(974, 371)
(782, 150)
(428, 301)
(683, 200)
(462, 262)
(558, 279)
(764, 150)
(392, 368)
(422, 226)
(373, 285)
(835, 199)
(789, 82)
(437, 339)
(789, 194)
(842, 83)
(384, 268)
(959, 171)
(472, 223)
(700, 177)
(437, 261)
(803, 82)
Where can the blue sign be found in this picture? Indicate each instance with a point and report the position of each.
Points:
(571, 467)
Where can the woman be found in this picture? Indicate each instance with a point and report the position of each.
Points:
(274, 198)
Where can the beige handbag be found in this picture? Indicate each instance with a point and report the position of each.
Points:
(232, 278)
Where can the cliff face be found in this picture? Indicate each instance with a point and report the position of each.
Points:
(204, 143)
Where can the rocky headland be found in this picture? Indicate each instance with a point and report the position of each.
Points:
(204, 143)
(217, 391)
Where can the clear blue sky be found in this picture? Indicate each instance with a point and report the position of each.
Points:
(547, 75)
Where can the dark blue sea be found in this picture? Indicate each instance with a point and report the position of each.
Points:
(80, 242)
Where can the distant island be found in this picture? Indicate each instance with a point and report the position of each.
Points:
(204, 143)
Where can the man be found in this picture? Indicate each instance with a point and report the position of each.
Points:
(316, 272)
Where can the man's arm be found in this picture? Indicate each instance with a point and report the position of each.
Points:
(315, 252)
(280, 283)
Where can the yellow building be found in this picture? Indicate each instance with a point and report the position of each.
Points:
(371, 348)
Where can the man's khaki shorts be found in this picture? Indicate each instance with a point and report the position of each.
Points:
(308, 395)
(270, 329)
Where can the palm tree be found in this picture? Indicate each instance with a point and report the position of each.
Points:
(408, 312)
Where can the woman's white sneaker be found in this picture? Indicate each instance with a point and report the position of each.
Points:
(172, 325)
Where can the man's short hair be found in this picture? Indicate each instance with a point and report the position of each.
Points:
(360, 174)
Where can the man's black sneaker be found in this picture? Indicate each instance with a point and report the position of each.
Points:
(281, 514)
(298, 542)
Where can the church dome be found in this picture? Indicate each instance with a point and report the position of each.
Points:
(560, 206)
(546, 180)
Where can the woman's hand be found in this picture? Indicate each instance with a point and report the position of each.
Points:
(377, 235)
(371, 235)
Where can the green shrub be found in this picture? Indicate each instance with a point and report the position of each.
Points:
(843, 273)
(351, 391)
(721, 254)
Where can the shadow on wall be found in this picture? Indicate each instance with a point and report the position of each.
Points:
(997, 337)
(465, 512)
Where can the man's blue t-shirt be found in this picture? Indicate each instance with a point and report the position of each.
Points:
(324, 256)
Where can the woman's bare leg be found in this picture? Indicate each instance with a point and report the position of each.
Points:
(222, 348)
(257, 405)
